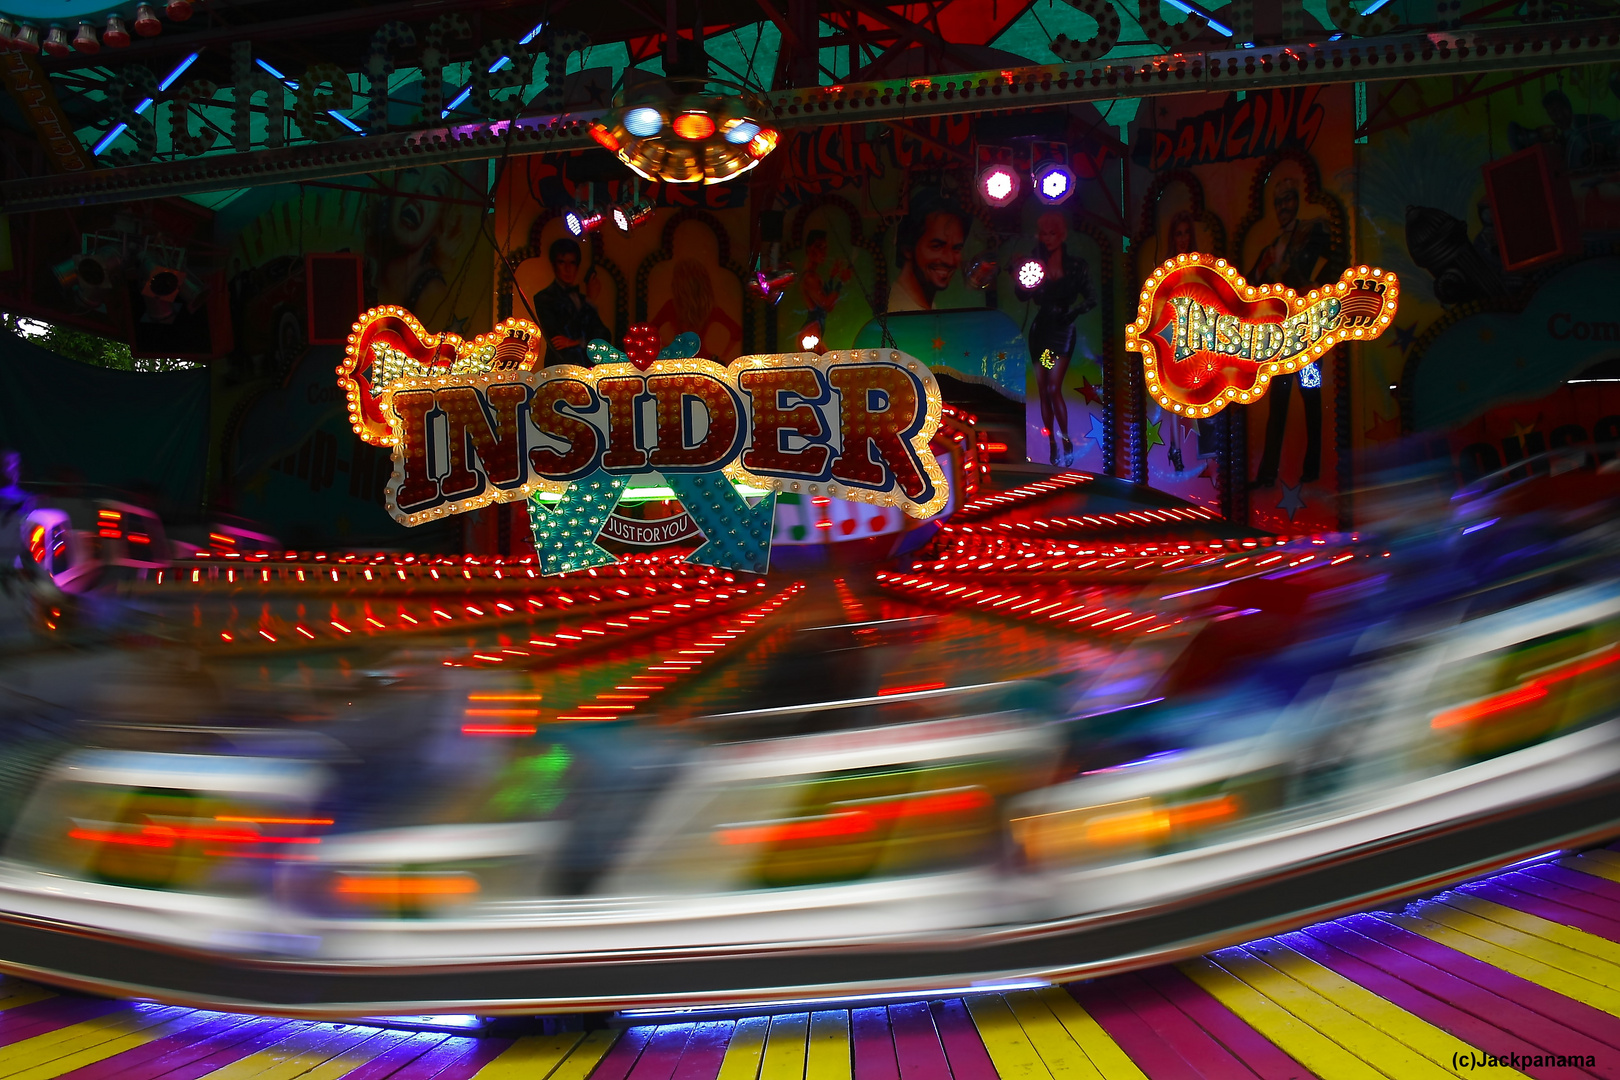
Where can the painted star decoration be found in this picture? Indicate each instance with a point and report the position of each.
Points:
(1291, 500)
(1089, 391)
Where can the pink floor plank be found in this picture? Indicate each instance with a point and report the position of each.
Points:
(141, 1062)
(618, 1061)
(964, 1050)
(1593, 1023)
(1501, 1011)
(1141, 1043)
(1555, 910)
(1432, 1008)
(1193, 1043)
(874, 1045)
(916, 1043)
(705, 1051)
(1225, 1026)
(662, 1052)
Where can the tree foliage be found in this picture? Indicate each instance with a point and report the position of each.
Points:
(85, 347)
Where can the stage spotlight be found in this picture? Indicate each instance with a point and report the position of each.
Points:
(581, 222)
(810, 338)
(998, 184)
(643, 122)
(693, 126)
(1029, 272)
(1053, 182)
(982, 271)
(627, 216)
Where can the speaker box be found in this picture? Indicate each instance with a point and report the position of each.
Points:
(336, 287)
(1533, 207)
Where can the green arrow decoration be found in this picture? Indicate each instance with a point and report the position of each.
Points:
(565, 536)
(736, 536)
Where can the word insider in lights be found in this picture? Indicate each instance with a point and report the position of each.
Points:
(476, 422)
(1209, 339)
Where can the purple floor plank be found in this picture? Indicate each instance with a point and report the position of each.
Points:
(412, 1048)
(457, 1058)
(621, 1058)
(1532, 904)
(1594, 1023)
(1225, 1026)
(916, 1042)
(1431, 1008)
(39, 1017)
(705, 1051)
(1141, 1043)
(964, 1050)
(187, 1065)
(662, 1052)
(874, 1045)
(1193, 1043)
(1589, 884)
(1502, 1011)
(140, 1062)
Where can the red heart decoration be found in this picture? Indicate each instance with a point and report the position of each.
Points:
(641, 345)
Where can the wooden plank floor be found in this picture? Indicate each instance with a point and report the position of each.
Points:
(1514, 975)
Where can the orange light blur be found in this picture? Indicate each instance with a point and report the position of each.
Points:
(274, 820)
(694, 126)
(605, 137)
(392, 887)
(503, 697)
(1529, 692)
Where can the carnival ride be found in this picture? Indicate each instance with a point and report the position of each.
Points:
(1071, 736)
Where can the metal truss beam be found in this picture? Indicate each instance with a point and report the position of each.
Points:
(1516, 48)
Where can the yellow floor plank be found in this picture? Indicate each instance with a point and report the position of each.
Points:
(1100, 1047)
(785, 1047)
(585, 1056)
(1557, 933)
(55, 1045)
(1424, 1038)
(1062, 1056)
(532, 1057)
(746, 1047)
(828, 1055)
(15, 992)
(101, 1050)
(1299, 1040)
(303, 1050)
(373, 1045)
(1359, 1038)
(1563, 957)
(1010, 1049)
(1515, 963)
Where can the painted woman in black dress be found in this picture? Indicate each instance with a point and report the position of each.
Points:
(1063, 294)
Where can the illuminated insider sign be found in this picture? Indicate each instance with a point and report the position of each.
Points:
(474, 422)
(1208, 338)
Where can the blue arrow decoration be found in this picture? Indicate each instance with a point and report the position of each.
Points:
(736, 536)
(565, 536)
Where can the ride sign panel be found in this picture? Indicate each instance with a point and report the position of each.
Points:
(1209, 339)
(474, 423)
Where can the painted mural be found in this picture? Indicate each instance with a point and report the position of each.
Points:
(1504, 357)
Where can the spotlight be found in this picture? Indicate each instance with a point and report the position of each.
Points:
(116, 36)
(693, 126)
(579, 222)
(1029, 272)
(982, 271)
(27, 39)
(810, 338)
(998, 185)
(86, 40)
(1053, 182)
(762, 144)
(627, 216)
(644, 121)
(56, 42)
(146, 21)
(741, 131)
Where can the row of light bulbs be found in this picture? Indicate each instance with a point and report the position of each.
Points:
(27, 38)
